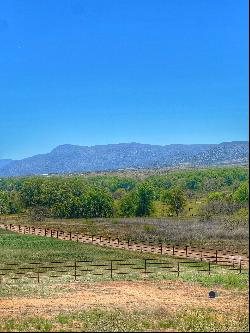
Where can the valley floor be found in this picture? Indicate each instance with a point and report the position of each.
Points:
(126, 306)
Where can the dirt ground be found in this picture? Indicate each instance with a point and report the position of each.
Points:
(127, 295)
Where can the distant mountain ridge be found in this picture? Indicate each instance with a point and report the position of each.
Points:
(4, 162)
(76, 159)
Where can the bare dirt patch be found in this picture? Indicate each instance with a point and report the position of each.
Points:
(127, 295)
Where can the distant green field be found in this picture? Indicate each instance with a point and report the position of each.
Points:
(22, 249)
(17, 247)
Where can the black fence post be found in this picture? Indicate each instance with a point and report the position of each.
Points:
(161, 248)
(92, 238)
(111, 269)
(57, 234)
(209, 268)
(75, 270)
(45, 232)
(186, 251)
(216, 256)
(70, 236)
(178, 269)
(38, 277)
(145, 266)
(173, 250)
(240, 269)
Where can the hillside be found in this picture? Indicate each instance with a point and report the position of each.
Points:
(4, 162)
(71, 158)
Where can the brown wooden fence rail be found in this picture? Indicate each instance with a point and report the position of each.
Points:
(220, 257)
(79, 269)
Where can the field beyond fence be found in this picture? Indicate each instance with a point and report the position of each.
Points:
(203, 260)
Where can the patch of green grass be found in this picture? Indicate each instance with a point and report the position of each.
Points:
(101, 320)
(18, 247)
(226, 280)
(209, 320)
(26, 248)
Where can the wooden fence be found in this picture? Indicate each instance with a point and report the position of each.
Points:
(220, 257)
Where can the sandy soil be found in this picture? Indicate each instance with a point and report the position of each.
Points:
(128, 295)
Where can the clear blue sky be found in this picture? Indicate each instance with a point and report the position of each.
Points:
(106, 71)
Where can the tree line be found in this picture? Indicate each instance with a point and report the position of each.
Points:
(225, 190)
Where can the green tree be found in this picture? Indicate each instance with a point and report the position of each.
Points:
(4, 203)
(175, 199)
(241, 195)
(145, 197)
(127, 205)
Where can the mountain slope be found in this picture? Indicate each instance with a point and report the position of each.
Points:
(71, 158)
(4, 162)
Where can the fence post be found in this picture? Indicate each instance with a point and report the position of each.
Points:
(145, 266)
(240, 266)
(19, 228)
(111, 269)
(70, 237)
(201, 255)
(128, 243)
(173, 250)
(118, 241)
(75, 270)
(109, 239)
(161, 247)
(57, 234)
(38, 277)
(51, 233)
(178, 269)
(216, 256)
(186, 251)
(92, 237)
(209, 268)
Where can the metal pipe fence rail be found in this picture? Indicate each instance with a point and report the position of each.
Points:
(220, 257)
(79, 269)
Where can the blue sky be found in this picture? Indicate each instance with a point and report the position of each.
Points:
(95, 72)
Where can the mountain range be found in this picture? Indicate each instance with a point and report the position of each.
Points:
(78, 159)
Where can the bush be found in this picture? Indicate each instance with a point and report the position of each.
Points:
(239, 218)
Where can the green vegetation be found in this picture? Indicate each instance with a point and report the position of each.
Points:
(18, 248)
(207, 207)
(24, 248)
(224, 191)
(101, 320)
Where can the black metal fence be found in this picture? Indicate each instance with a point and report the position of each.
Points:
(80, 269)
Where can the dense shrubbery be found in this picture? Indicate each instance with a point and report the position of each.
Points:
(225, 189)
